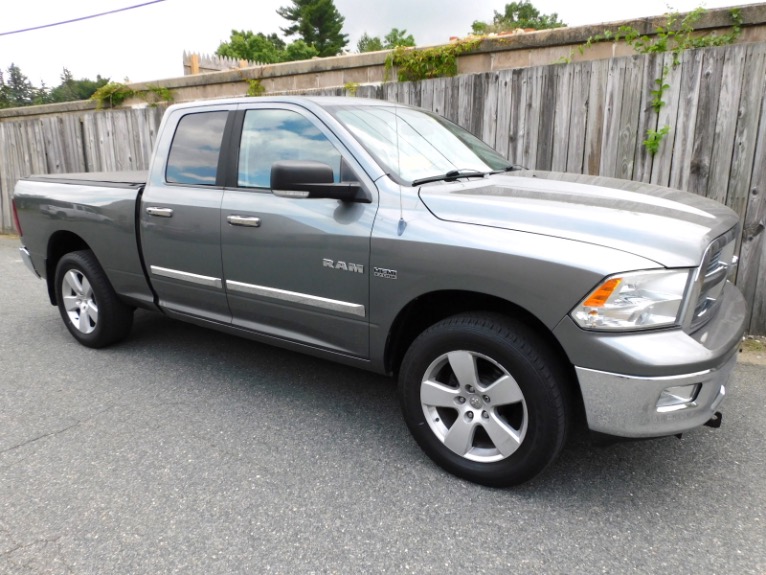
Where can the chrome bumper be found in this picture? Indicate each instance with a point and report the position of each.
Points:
(27, 259)
(629, 406)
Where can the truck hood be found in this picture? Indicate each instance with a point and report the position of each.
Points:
(670, 227)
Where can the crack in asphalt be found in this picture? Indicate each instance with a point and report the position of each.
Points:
(57, 554)
(55, 433)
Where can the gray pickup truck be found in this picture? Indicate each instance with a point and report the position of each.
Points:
(507, 302)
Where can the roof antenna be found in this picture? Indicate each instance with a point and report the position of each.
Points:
(402, 223)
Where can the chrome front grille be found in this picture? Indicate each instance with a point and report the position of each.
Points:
(717, 266)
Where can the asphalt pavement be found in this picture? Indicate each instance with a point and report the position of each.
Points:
(187, 451)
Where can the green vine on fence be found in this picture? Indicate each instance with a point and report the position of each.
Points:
(158, 94)
(255, 88)
(113, 94)
(676, 35)
(412, 64)
(351, 88)
(654, 139)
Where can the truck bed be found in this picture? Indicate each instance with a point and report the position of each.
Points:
(96, 209)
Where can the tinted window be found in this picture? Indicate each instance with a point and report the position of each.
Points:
(269, 136)
(193, 157)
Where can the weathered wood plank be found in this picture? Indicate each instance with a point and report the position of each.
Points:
(594, 130)
(6, 178)
(452, 99)
(440, 88)
(480, 87)
(748, 121)
(465, 95)
(662, 163)
(562, 117)
(726, 126)
(505, 87)
(532, 115)
(647, 117)
(629, 118)
(751, 275)
(490, 118)
(615, 88)
(691, 76)
(581, 79)
(124, 146)
(705, 124)
(427, 95)
(518, 128)
(546, 108)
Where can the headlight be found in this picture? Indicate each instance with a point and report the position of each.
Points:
(636, 300)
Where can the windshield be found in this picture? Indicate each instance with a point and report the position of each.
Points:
(413, 144)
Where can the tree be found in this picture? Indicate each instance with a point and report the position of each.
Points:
(318, 23)
(71, 90)
(244, 45)
(369, 43)
(398, 37)
(271, 49)
(518, 15)
(299, 50)
(391, 40)
(17, 90)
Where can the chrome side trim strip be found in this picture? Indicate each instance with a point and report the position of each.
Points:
(187, 277)
(295, 297)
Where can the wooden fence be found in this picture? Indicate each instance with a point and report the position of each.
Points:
(589, 117)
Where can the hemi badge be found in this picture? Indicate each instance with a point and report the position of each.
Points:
(384, 273)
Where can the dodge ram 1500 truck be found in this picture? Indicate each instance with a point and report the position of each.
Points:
(505, 301)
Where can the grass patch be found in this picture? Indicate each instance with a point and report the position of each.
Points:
(754, 344)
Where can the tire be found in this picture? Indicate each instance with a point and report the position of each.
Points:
(485, 398)
(88, 304)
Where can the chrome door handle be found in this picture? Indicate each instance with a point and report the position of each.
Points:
(244, 221)
(160, 212)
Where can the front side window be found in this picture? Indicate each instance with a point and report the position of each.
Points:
(193, 157)
(270, 136)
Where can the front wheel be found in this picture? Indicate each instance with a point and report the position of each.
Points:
(88, 304)
(485, 398)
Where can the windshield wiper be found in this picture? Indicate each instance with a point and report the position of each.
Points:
(450, 176)
(508, 169)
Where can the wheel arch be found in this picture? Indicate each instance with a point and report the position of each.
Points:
(59, 244)
(430, 308)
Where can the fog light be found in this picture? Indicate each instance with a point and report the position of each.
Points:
(678, 397)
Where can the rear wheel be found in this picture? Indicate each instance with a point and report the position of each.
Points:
(485, 398)
(88, 304)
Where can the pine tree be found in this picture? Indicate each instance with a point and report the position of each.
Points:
(318, 23)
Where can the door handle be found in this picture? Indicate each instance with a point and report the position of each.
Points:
(159, 212)
(250, 222)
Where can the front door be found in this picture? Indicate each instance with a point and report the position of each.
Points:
(296, 269)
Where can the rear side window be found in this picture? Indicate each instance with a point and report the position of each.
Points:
(193, 157)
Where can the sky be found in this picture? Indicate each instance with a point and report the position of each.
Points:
(147, 43)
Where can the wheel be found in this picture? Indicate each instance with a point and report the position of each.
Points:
(90, 308)
(485, 398)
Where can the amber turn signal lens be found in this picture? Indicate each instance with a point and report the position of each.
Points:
(598, 298)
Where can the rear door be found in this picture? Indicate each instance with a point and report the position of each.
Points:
(296, 269)
(180, 216)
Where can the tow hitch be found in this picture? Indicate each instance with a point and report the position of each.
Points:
(715, 421)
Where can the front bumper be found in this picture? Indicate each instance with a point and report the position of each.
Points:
(629, 406)
(656, 383)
